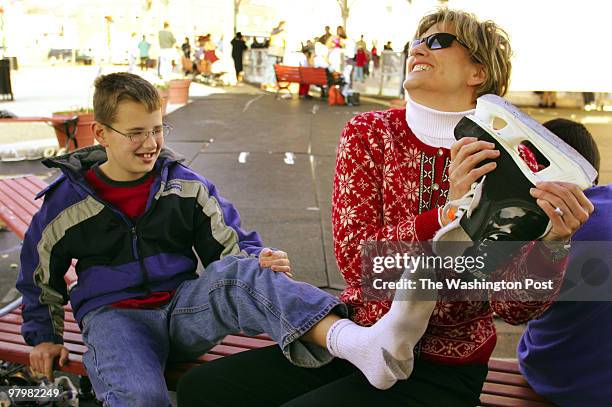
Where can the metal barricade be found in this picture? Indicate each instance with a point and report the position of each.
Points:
(386, 79)
(258, 66)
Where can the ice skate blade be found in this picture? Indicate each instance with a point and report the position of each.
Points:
(566, 164)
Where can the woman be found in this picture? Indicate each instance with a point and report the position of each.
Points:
(392, 179)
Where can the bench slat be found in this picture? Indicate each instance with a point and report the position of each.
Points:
(523, 393)
(23, 197)
(506, 366)
(12, 213)
(18, 340)
(16, 319)
(69, 336)
(287, 73)
(507, 378)
(32, 184)
(17, 205)
(247, 342)
(489, 400)
(12, 222)
(313, 76)
(68, 316)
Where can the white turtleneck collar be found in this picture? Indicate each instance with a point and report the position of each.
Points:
(433, 127)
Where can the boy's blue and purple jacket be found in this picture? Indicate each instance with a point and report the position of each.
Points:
(119, 258)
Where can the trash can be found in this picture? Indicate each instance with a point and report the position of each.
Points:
(6, 91)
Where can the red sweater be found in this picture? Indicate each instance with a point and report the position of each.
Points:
(361, 58)
(388, 186)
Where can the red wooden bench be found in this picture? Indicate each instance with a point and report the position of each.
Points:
(504, 387)
(313, 76)
(305, 75)
(285, 76)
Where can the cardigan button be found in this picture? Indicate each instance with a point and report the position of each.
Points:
(435, 187)
(440, 152)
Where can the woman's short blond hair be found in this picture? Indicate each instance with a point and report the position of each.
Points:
(487, 43)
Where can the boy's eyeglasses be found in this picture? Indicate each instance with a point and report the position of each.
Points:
(139, 137)
(437, 41)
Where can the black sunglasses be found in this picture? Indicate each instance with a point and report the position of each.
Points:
(437, 41)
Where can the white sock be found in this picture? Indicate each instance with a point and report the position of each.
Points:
(384, 351)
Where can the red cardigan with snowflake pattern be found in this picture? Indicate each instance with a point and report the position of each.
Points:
(389, 185)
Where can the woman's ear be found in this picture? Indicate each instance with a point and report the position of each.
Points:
(478, 75)
(99, 133)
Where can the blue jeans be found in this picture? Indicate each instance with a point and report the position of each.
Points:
(359, 73)
(127, 349)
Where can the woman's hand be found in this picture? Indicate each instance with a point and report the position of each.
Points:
(566, 206)
(466, 155)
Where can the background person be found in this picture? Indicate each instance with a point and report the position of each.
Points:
(143, 47)
(238, 48)
(278, 42)
(167, 52)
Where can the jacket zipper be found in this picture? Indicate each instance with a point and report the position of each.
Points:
(137, 256)
(135, 244)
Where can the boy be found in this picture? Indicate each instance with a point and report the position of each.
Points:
(132, 215)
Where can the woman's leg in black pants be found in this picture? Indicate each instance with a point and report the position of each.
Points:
(257, 377)
(265, 377)
(430, 385)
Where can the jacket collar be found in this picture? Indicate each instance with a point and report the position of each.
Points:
(80, 160)
(73, 166)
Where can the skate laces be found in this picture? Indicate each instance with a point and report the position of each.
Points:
(468, 202)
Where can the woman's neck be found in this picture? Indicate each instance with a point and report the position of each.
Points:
(433, 127)
(444, 102)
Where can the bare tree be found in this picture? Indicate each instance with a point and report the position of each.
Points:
(345, 9)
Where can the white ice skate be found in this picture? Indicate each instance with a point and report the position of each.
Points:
(499, 206)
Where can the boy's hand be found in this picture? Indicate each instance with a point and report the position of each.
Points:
(44, 354)
(275, 261)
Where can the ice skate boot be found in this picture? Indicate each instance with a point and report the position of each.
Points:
(499, 206)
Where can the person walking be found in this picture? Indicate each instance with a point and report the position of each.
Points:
(238, 48)
(143, 47)
(361, 60)
(167, 42)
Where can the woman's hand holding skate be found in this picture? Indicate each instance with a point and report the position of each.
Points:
(566, 206)
(465, 168)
